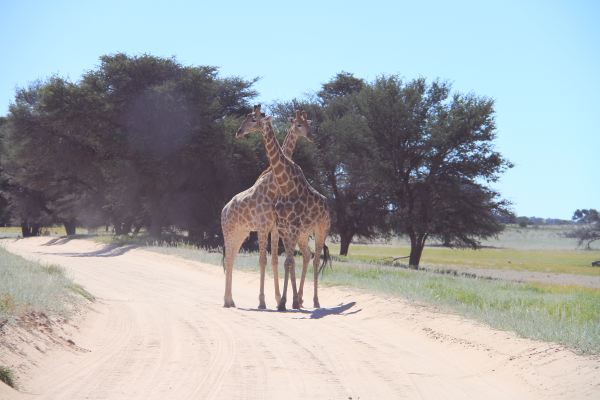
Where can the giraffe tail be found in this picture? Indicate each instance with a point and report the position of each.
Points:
(326, 260)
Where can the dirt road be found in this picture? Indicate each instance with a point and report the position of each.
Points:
(158, 331)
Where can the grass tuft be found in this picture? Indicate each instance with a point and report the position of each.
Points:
(28, 286)
(7, 376)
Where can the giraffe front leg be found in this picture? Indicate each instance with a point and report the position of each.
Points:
(295, 302)
(281, 305)
(262, 261)
(275, 262)
(232, 246)
(289, 271)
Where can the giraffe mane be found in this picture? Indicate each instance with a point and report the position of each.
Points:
(266, 171)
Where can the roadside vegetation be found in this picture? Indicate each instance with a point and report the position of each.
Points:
(562, 314)
(26, 286)
(7, 376)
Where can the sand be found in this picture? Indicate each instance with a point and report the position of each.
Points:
(158, 331)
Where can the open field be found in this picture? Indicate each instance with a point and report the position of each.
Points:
(553, 261)
(158, 330)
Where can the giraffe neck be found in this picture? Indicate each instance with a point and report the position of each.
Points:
(279, 163)
(289, 143)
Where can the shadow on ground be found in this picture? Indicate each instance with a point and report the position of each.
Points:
(109, 250)
(317, 313)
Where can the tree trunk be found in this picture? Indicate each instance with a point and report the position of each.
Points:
(155, 229)
(345, 240)
(70, 227)
(25, 230)
(417, 242)
(35, 230)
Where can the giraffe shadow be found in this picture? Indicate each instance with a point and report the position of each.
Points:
(314, 314)
(338, 310)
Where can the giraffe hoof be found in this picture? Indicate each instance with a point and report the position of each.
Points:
(262, 306)
(281, 306)
(296, 305)
(316, 304)
(229, 304)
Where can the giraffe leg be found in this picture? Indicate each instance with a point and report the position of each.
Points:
(232, 246)
(262, 261)
(305, 250)
(319, 242)
(289, 271)
(275, 262)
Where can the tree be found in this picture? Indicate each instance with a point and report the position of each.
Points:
(52, 150)
(434, 155)
(137, 142)
(340, 166)
(589, 229)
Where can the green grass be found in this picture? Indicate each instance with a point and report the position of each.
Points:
(566, 315)
(7, 376)
(27, 286)
(56, 230)
(553, 261)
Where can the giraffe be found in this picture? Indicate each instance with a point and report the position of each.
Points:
(253, 210)
(299, 208)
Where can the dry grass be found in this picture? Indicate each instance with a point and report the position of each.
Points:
(27, 286)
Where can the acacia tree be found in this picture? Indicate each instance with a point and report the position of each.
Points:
(50, 151)
(338, 160)
(434, 157)
(137, 142)
(169, 166)
(589, 227)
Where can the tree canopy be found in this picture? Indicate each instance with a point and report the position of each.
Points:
(137, 142)
(146, 143)
(588, 230)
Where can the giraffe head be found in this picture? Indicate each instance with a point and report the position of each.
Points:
(301, 125)
(254, 122)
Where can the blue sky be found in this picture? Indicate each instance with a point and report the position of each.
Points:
(540, 61)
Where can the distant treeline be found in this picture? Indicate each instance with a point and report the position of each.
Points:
(147, 143)
(528, 221)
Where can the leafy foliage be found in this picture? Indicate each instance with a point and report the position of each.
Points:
(138, 142)
(434, 154)
(145, 142)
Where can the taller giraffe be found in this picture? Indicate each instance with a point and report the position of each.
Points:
(299, 208)
(254, 210)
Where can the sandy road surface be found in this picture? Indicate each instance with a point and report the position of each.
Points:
(158, 331)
